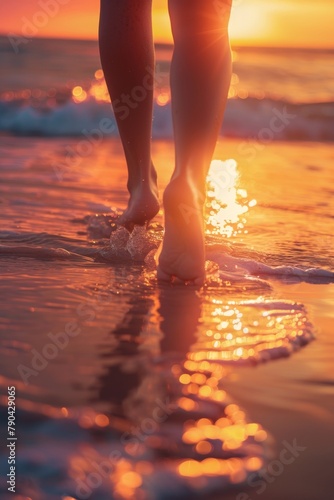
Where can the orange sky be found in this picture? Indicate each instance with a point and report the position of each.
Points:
(305, 23)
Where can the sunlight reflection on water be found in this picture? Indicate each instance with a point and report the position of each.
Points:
(226, 203)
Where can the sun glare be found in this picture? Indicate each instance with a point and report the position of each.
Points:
(227, 203)
(249, 23)
(253, 22)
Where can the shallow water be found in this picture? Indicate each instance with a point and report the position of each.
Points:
(127, 387)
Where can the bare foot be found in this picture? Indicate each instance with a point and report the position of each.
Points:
(143, 204)
(182, 257)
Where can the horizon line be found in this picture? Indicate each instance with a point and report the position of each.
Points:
(234, 45)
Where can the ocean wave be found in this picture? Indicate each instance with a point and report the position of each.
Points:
(262, 120)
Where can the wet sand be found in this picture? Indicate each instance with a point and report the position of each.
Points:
(293, 398)
(127, 323)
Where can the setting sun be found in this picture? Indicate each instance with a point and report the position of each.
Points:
(285, 23)
(255, 22)
(249, 23)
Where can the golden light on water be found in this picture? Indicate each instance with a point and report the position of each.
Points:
(260, 436)
(245, 332)
(226, 202)
(240, 331)
(211, 445)
(163, 98)
(99, 74)
(204, 447)
(226, 445)
(131, 479)
(187, 404)
(254, 463)
(190, 468)
(64, 411)
(213, 467)
(185, 378)
(99, 91)
(230, 433)
(101, 420)
(79, 94)
(127, 481)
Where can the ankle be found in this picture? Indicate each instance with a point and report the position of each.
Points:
(146, 181)
(186, 187)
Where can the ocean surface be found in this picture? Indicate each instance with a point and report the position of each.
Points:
(130, 390)
(69, 94)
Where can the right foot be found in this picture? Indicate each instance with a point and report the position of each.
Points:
(182, 256)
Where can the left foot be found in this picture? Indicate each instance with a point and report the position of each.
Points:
(143, 205)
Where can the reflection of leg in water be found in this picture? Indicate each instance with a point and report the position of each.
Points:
(177, 416)
(158, 391)
(125, 370)
(134, 382)
(180, 311)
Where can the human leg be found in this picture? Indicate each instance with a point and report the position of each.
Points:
(127, 57)
(200, 78)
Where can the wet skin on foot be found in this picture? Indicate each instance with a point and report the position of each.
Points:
(182, 258)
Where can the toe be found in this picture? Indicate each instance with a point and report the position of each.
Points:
(164, 277)
(199, 281)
